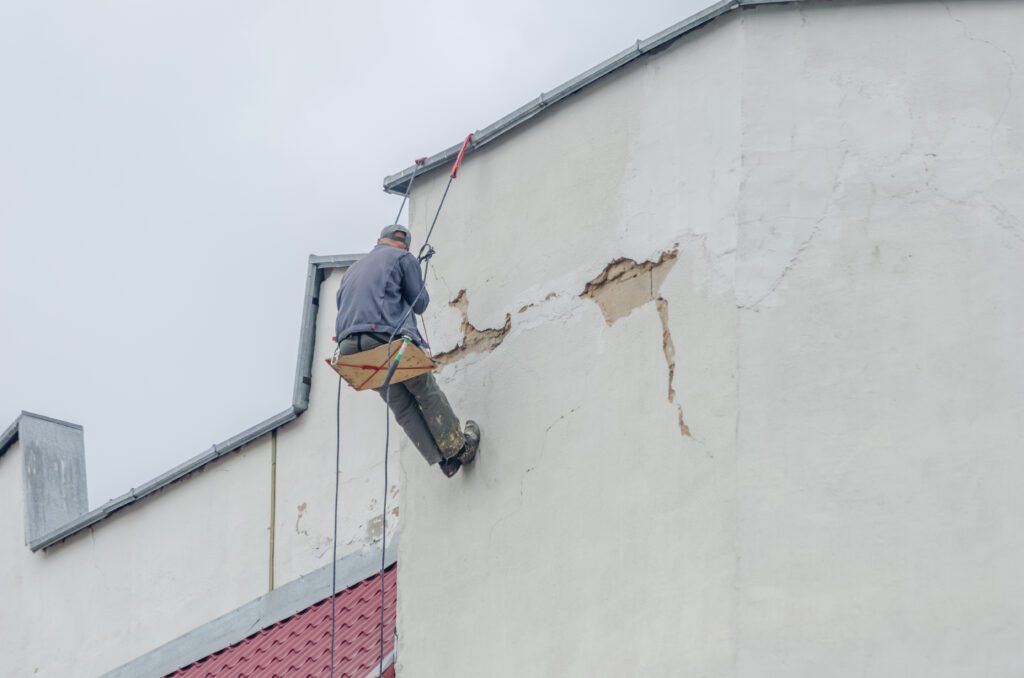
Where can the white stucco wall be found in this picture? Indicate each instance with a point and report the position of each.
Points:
(591, 538)
(305, 474)
(844, 183)
(141, 578)
(199, 548)
(826, 485)
(880, 269)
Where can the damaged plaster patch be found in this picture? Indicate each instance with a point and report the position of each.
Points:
(625, 285)
(375, 528)
(549, 297)
(473, 340)
(670, 358)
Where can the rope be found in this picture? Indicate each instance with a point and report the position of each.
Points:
(384, 532)
(337, 478)
(334, 538)
(425, 248)
(426, 252)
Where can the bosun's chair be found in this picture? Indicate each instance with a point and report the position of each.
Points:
(369, 369)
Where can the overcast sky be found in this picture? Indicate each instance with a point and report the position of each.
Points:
(167, 167)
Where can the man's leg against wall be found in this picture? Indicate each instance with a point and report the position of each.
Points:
(403, 405)
(443, 424)
(407, 413)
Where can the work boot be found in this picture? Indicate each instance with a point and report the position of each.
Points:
(450, 466)
(469, 448)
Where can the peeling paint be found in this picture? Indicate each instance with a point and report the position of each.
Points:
(548, 297)
(624, 285)
(473, 340)
(669, 347)
(375, 528)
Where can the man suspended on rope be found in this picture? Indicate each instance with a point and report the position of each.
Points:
(375, 295)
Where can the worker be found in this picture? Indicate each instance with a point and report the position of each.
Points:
(374, 297)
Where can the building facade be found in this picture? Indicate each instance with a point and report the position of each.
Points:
(757, 404)
(739, 313)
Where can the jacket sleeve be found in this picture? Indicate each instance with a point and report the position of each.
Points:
(413, 290)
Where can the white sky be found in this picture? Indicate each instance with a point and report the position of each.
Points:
(167, 167)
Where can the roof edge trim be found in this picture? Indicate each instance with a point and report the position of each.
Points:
(300, 402)
(9, 436)
(398, 183)
(257, 614)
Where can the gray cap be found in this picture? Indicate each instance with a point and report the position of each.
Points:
(393, 229)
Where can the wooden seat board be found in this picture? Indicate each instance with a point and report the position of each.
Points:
(368, 369)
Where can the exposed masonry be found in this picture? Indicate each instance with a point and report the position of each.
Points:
(623, 286)
(473, 340)
(670, 357)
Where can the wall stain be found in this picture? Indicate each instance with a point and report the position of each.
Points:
(302, 510)
(375, 528)
(473, 340)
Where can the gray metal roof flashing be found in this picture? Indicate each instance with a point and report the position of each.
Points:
(399, 183)
(300, 402)
(258, 614)
(10, 434)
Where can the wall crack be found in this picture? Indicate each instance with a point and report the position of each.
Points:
(669, 348)
(473, 340)
(623, 286)
(1011, 64)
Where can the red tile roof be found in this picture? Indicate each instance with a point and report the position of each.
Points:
(301, 644)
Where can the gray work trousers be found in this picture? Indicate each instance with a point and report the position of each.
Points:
(419, 406)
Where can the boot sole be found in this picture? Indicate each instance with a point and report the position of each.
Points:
(468, 456)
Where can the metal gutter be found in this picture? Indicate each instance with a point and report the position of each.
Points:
(300, 402)
(399, 183)
(273, 508)
(9, 436)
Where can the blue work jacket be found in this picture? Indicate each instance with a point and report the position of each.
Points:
(376, 293)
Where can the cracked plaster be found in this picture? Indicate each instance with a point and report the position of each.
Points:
(473, 340)
(843, 181)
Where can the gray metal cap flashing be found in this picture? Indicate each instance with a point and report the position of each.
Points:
(52, 473)
(9, 436)
(300, 402)
(398, 183)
